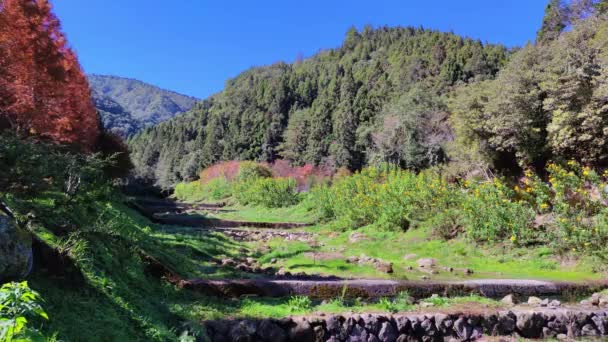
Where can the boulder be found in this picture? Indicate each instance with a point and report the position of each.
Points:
(269, 331)
(302, 332)
(15, 250)
(530, 325)
(387, 332)
(244, 331)
(384, 267)
(509, 300)
(534, 301)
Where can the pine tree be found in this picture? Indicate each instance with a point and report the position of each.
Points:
(554, 22)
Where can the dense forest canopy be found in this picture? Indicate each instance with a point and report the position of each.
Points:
(408, 96)
(381, 96)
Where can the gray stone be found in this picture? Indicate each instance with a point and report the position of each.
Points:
(15, 250)
(244, 331)
(506, 324)
(509, 300)
(335, 327)
(534, 301)
(588, 330)
(387, 333)
(319, 334)
(301, 332)
(371, 323)
(530, 325)
(373, 338)
(555, 303)
(561, 337)
(269, 331)
(463, 329)
(357, 334)
(601, 323)
(403, 324)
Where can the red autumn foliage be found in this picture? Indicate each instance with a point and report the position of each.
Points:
(43, 90)
(305, 176)
(228, 170)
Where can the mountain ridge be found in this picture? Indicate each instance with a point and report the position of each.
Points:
(127, 105)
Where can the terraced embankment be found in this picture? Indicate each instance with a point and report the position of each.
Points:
(472, 322)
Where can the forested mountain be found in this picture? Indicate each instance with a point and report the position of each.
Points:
(128, 105)
(381, 96)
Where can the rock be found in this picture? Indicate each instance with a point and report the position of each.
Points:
(403, 324)
(318, 334)
(508, 300)
(468, 271)
(463, 329)
(426, 305)
(544, 302)
(426, 263)
(603, 302)
(585, 302)
(555, 304)
(506, 324)
(273, 260)
(335, 328)
(589, 330)
(269, 331)
(371, 323)
(282, 272)
(595, 299)
(357, 334)
(244, 331)
(15, 250)
(530, 325)
(534, 301)
(302, 332)
(409, 256)
(562, 337)
(387, 332)
(384, 267)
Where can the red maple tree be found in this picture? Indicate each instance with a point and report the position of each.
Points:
(43, 90)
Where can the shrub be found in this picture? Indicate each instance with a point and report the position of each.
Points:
(215, 189)
(251, 170)
(267, 192)
(490, 214)
(387, 197)
(18, 303)
(299, 304)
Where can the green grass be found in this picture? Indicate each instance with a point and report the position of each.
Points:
(297, 213)
(460, 254)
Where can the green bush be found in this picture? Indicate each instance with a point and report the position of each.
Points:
(249, 170)
(299, 304)
(18, 303)
(267, 192)
(216, 189)
(386, 197)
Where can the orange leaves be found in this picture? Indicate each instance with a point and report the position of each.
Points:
(42, 86)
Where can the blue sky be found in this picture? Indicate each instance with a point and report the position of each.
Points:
(193, 46)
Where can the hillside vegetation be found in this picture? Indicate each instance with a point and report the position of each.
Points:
(378, 97)
(126, 105)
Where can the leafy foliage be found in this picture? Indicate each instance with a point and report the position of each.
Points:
(18, 303)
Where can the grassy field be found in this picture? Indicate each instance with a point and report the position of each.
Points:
(459, 254)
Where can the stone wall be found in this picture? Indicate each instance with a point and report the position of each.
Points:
(561, 323)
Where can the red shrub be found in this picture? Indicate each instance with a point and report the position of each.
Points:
(305, 176)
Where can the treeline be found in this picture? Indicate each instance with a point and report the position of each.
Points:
(381, 96)
(410, 97)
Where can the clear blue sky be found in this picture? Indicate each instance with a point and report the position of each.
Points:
(193, 46)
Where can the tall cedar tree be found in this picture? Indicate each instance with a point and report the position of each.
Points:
(43, 89)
